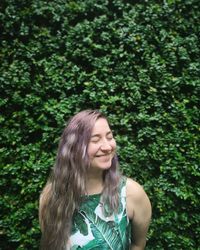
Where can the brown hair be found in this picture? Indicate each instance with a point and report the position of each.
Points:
(66, 185)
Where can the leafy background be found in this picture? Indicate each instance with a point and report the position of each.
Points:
(137, 61)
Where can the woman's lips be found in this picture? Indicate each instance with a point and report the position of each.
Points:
(106, 157)
(103, 155)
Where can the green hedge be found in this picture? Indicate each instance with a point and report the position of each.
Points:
(139, 62)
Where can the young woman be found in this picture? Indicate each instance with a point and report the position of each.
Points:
(86, 203)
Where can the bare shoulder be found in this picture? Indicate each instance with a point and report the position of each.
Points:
(134, 190)
(137, 199)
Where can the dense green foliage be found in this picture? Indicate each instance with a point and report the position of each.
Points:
(139, 62)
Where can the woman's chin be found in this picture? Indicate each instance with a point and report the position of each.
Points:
(103, 166)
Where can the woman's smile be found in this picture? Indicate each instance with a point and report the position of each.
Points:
(103, 155)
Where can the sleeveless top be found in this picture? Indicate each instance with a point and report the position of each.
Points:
(91, 229)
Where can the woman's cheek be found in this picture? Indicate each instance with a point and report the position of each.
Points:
(92, 149)
(114, 145)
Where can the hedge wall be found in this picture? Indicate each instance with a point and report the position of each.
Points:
(139, 62)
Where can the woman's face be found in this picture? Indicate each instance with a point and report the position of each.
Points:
(102, 145)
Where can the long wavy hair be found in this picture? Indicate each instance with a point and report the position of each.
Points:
(66, 185)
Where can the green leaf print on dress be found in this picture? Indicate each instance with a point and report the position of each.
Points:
(105, 232)
(82, 227)
(83, 239)
(93, 230)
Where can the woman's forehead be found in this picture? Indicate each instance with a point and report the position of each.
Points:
(101, 125)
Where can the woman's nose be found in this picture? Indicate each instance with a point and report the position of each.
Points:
(105, 146)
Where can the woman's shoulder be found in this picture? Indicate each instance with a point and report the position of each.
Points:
(137, 198)
(133, 186)
(134, 190)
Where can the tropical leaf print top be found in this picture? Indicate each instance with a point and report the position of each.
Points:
(93, 230)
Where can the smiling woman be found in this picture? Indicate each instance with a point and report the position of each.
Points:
(87, 203)
(101, 147)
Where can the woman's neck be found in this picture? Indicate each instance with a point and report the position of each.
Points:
(94, 182)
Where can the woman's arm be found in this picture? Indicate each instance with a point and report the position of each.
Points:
(139, 212)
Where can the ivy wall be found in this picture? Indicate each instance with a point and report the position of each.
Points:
(137, 61)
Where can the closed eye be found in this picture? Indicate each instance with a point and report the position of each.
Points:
(95, 139)
(109, 137)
